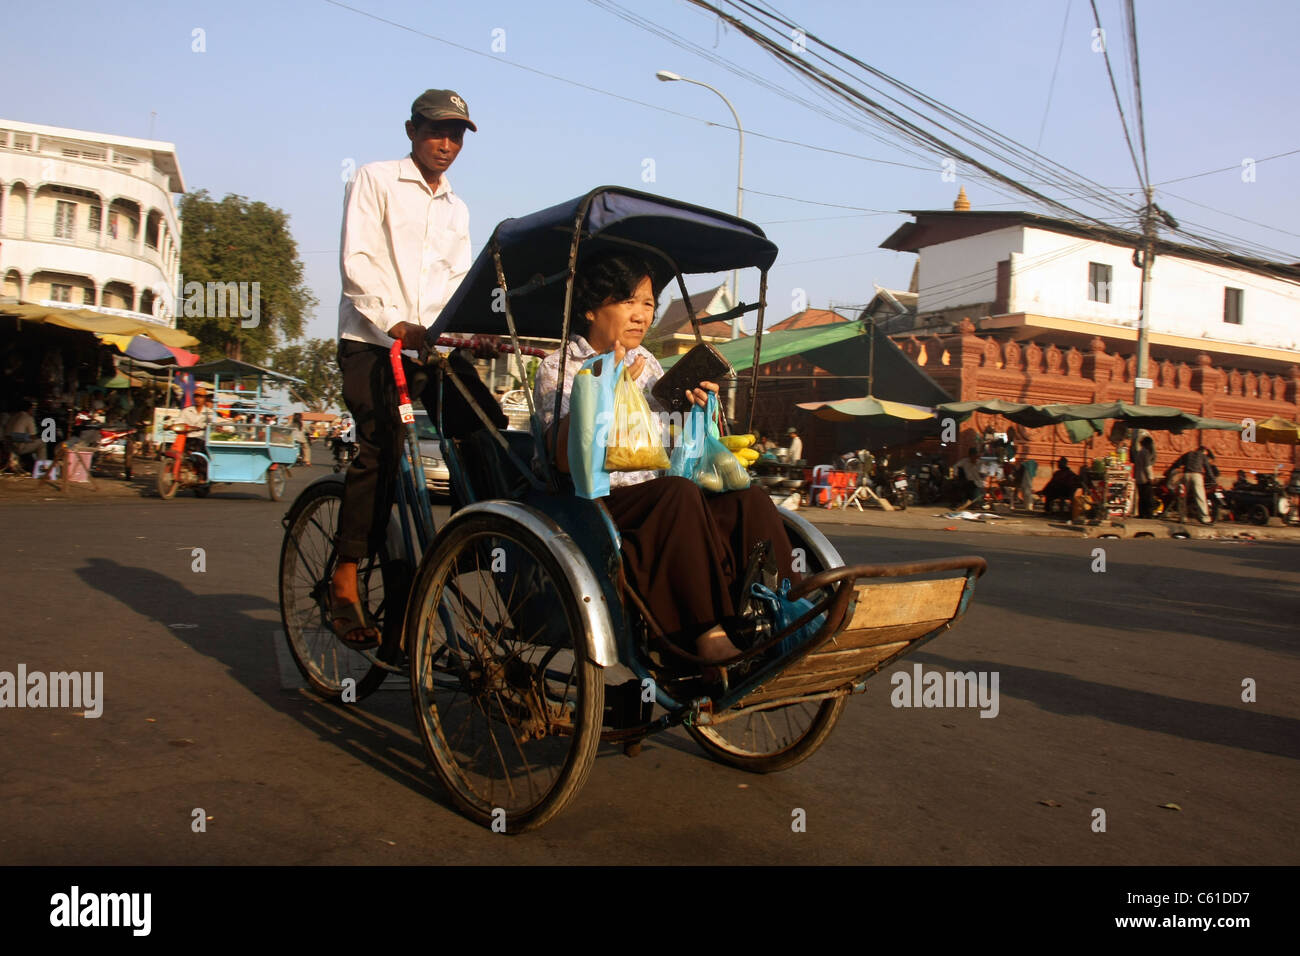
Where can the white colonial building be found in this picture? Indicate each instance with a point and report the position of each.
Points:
(1023, 276)
(88, 219)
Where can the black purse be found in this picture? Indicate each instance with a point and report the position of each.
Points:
(703, 363)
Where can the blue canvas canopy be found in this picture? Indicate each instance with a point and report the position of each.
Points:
(536, 247)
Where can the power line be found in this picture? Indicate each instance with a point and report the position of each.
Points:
(834, 205)
(1230, 215)
(1052, 85)
(1137, 89)
(1224, 169)
(1110, 74)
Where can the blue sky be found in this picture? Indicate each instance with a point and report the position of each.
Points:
(287, 93)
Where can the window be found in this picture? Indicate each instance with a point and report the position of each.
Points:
(112, 225)
(1098, 282)
(87, 296)
(1232, 306)
(96, 220)
(65, 219)
(60, 293)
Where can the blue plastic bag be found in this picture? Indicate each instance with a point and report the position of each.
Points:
(785, 612)
(591, 411)
(701, 456)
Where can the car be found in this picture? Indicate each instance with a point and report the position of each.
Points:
(436, 475)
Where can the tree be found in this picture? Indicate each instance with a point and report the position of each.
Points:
(242, 291)
(313, 361)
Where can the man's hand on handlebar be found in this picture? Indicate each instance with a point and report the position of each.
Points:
(411, 336)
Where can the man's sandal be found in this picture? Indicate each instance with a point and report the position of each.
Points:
(350, 625)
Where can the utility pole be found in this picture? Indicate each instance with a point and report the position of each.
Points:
(1141, 383)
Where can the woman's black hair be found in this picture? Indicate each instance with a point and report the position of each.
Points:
(609, 277)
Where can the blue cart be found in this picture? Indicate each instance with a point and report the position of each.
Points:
(244, 445)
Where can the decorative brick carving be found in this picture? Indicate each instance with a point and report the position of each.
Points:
(1234, 382)
(1167, 374)
(1011, 356)
(1184, 375)
(1073, 361)
(992, 354)
(1033, 358)
(1053, 360)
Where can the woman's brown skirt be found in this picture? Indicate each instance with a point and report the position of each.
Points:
(685, 551)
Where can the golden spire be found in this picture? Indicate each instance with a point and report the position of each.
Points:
(962, 204)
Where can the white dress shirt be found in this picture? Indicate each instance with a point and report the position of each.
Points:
(548, 379)
(404, 250)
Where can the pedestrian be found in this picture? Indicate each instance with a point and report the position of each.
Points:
(970, 480)
(1144, 464)
(1194, 464)
(796, 445)
(405, 250)
(1028, 472)
(301, 440)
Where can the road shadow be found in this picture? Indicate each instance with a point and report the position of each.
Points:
(1137, 593)
(1237, 727)
(228, 619)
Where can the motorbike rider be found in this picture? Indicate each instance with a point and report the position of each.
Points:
(194, 420)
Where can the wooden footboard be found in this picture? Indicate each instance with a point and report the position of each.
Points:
(882, 621)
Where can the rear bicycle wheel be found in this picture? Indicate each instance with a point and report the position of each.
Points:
(507, 700)
(307, 563)
(777, 738)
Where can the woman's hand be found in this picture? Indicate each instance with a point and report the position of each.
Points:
(635, 368)
(700, 395)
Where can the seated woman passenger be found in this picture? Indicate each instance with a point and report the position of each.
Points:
(684, 552)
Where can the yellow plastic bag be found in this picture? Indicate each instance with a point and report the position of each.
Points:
(634, 442)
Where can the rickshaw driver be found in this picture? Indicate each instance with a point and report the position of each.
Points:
(405, 249)
(195, 419)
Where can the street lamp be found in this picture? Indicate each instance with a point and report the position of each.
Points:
(667, 77)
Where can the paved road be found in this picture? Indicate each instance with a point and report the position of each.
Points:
(1118, 690)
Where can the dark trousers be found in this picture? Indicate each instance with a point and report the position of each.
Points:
(1146, 499)
(370, 484)
(370, 394)
(685, 550)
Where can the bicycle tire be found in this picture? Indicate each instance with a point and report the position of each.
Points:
(322, 659)
(475, 652)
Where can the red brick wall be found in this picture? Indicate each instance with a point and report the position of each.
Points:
(980, 367)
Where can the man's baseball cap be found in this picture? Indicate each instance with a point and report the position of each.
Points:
(439, 105)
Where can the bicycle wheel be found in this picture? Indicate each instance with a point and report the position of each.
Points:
(507, 701)
(276, 479)
(307, 563)
(767, 741)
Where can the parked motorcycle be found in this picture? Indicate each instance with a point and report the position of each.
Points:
(1171, 501)
(1267, 498)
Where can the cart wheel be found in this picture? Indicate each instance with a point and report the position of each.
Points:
(276, 479)
(166, 481)
(766, 741)
(1259, 514)
(508, 704)
(307, 562)
(202, 491)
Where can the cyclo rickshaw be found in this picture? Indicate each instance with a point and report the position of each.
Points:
(524, 646)
(250, 451)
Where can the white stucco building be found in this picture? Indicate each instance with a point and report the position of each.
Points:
(88, 219)
(1024, 276)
